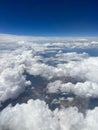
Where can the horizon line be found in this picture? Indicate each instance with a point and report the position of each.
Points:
(47, 36)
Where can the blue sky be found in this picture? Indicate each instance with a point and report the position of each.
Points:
(49, 17)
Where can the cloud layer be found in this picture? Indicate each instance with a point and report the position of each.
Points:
(67, 66)
(37, 116)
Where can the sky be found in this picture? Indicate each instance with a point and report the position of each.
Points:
(49, 17)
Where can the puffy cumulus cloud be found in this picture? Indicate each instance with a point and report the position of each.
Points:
(87, 69)
(12, 83)
(54, 87)
(42, 70)
(12, 67)
(70, 119)
(15, 59)
(20, 54)
(35, 115)
(24, 55)
(34, 67)
(91, 119)
(86, 89)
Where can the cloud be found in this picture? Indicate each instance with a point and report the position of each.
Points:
(54, 87)
(37, 116)
(12, 83)
(71, 42)
(65, 71)
(86, 69)
(12, 78)
(19, 54)
(86, 89)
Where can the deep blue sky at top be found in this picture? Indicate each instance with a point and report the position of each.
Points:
(49, 17)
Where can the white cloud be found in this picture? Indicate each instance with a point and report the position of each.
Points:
(35, 115)
(22, 52)
(70, 119)
(12, 67)
(54, 87)
(72, 56)
(12, 83)
(86, 89)
(19, 54)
